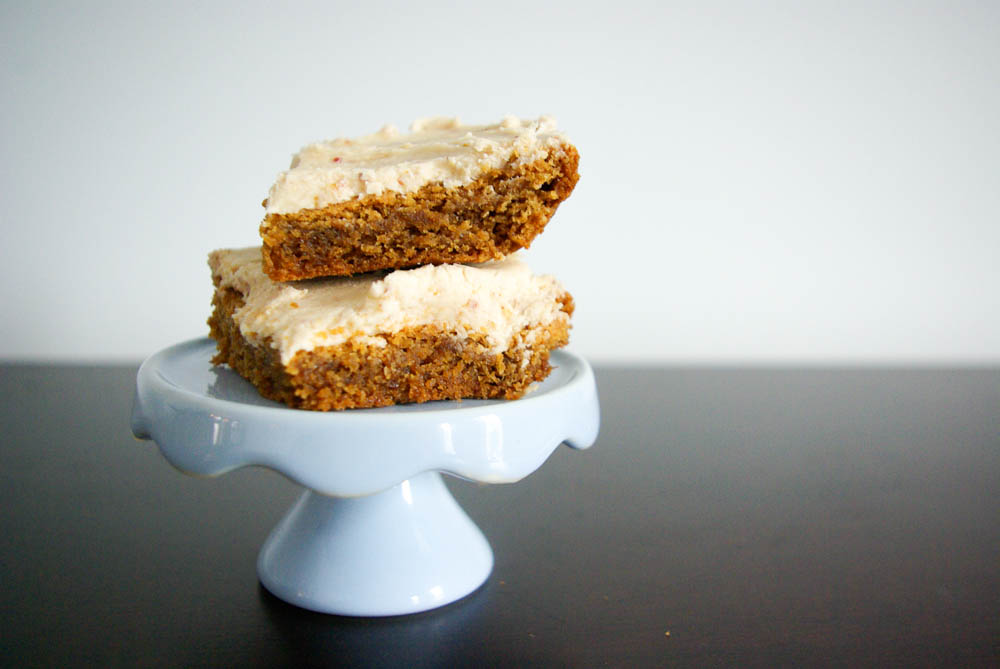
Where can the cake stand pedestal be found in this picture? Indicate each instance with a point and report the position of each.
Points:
(376, 532)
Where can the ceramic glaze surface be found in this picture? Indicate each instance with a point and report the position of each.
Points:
(377, 533)
(406, 549)
(207, 420)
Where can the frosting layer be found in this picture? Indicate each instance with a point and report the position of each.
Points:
(435, 149)
(498, 299)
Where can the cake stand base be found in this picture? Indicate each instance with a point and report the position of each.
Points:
(404, 550)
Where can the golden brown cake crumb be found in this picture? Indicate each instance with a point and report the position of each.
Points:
(431, 333)
(417, 364)
(499, 212)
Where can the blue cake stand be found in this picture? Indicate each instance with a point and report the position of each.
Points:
(376, 532)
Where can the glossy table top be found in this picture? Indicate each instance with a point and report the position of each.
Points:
(725, 517)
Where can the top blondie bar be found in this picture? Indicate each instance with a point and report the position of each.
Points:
(442, 193)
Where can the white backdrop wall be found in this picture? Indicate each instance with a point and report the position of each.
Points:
(761, 181)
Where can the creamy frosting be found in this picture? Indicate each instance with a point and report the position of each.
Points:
(498, 299)
(436, 150)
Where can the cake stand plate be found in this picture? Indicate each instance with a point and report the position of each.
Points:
(376, 532)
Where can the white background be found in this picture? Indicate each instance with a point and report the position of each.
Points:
(761, 182)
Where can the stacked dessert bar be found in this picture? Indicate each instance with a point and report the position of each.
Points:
(388, 270)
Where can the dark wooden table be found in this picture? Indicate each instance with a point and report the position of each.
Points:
(725, 517)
